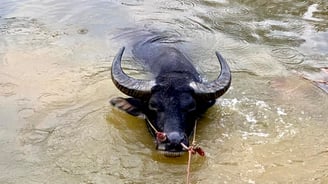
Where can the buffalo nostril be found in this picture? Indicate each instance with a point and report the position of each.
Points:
(175, 137)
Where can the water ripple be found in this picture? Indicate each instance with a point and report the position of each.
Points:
(177, 5)
(263, 120)
(288, 56)
(131, 3)
(236, 11)
(237, 44)
(7, 89)
(26, 32)
(202, 25)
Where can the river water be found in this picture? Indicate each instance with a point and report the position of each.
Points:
(56, 125)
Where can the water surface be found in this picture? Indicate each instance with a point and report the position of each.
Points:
(56, 125)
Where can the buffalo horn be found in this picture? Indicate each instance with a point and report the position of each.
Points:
(132, 87)
(214, 89)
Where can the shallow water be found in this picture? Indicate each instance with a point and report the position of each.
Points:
(56, 125)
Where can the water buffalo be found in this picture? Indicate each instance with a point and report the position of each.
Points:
(176, 96)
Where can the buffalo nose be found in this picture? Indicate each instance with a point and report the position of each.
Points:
(175, 138)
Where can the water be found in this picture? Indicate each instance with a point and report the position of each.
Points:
(56, 125)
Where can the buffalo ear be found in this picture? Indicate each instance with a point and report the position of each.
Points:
(131, 106)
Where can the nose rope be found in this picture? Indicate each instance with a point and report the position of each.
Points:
(193, 149)
(160, 136)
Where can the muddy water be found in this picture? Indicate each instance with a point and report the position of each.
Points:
(56, 125)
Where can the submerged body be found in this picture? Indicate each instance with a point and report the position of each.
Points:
(175, 98)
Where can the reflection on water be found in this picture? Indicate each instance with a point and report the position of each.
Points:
(56, 125)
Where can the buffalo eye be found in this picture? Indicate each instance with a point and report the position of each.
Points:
(154, 105)
(190, 107)
(188, 104)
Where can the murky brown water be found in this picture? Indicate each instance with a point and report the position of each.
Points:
(56, 125)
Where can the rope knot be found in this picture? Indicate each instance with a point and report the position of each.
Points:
(199, 150)
(193, 149)
(161, 136)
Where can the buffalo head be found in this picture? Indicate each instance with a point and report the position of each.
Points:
(171, 102)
